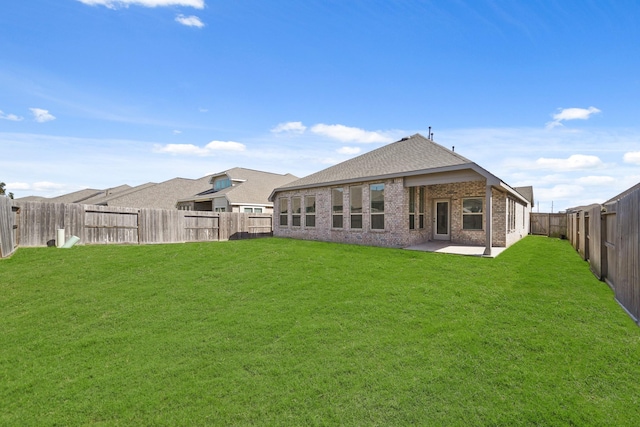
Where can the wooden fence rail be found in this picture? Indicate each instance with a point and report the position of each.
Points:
(37, 224)
(8, 238)
(608, 237)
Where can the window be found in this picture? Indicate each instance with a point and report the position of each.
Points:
(511, 214)
(416, 208)
(377, 206)
(310, 211)
(220, 210)
(337, 207)
(412, 208)
(221, 184)
(355, 201)
(296, 209)
(257, 210)
(472, 214)
(284, 212)
(421, 203)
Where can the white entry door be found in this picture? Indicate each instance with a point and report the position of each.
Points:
(442, 220)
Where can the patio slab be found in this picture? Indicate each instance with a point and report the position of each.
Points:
(452, 248)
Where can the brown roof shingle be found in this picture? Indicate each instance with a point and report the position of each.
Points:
(411, 154)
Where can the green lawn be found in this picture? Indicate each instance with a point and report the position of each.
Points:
(285, 332)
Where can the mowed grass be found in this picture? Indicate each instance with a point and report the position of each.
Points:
(285, 332)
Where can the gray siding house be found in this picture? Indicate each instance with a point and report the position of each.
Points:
(237, 190)
(403, 194)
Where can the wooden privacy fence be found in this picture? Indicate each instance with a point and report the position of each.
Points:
(548, 224)
(8, 227)
(608, 236)
(37, 224)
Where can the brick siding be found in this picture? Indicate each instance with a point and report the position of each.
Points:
(396, 232)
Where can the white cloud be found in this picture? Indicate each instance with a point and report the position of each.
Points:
(558, 192)
(43, 186)
(185, 149)
(349, 134)
(114, 4)
(10, 117)
(189, 21)
(194, 150)
(571, 114)
(632, 157)
(225, 146)
(18, 186)
(349, 150)
(177, 132)
(292, 127)
(41, 115)
(574, 162)
(595, 180)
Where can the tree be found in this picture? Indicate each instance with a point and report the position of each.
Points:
(3, 192)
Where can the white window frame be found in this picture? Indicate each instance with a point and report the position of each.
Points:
(284, 212)
(337, 214)
(356, 211)
(296, 217)
(377, 213)
(310, 211)
(480, 214)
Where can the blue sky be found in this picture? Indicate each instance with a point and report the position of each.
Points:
(99, 93)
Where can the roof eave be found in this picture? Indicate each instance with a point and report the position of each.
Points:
(492, 180)
(441, 169)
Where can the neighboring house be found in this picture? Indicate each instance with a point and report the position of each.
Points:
(75, 197)
(237, 190)
(162, 195)
(403, 194)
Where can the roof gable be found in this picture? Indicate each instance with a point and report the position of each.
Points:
(249, 186)
(408, 157)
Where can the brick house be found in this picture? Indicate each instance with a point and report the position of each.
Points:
(403, 194)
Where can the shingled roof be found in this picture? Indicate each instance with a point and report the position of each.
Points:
(163, 195)
(250, 186)
(75, 197)
(412, 154)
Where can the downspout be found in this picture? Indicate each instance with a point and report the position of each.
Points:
(488, 220)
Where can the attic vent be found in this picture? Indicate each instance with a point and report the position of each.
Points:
(405, 138)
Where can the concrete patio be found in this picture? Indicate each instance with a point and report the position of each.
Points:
(446, 247)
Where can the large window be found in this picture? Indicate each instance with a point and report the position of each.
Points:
(472, 214)
(221, 184)
(355, 201)
(296, 209)
(337, 207)
(377, 206)
(284, 212)
(310, 211)
(416, 207)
